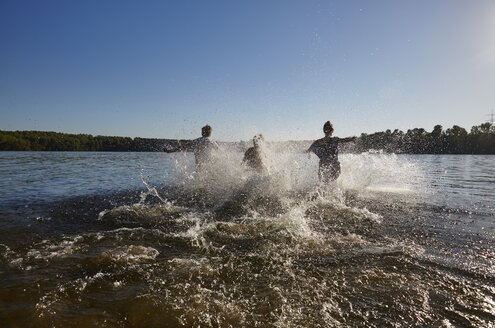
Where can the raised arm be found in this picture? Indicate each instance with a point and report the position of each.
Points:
(349, 139)
(179, 147)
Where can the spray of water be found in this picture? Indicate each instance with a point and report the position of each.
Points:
(227, 246)
(284, 194)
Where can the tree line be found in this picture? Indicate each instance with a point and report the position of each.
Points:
(55, 141)
(455, 140)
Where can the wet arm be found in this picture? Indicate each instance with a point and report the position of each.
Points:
(349, 139)
(179, 147)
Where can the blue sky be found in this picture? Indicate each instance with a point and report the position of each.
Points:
(163, 69)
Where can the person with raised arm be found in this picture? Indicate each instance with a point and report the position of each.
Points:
(201, 147)
(327, 151)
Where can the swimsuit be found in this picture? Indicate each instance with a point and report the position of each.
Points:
(328, 153)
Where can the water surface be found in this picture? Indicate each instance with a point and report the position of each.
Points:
(140, 239)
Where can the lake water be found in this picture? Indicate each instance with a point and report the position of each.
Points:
(140, 239)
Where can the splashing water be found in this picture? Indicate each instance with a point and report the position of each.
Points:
(227, 247)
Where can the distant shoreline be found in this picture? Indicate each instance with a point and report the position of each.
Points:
(455, 140)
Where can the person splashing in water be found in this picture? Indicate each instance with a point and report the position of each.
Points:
(254, 156)
(327, 151)
(201, 147)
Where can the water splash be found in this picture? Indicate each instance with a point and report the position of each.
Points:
(229, 247)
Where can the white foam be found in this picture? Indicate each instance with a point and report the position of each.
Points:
(131, 254)
(292, 172)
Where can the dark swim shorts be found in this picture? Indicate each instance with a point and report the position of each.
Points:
(329, 171)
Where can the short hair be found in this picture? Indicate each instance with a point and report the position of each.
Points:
(328, 127)
(206, 131)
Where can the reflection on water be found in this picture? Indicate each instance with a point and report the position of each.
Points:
(398, 241)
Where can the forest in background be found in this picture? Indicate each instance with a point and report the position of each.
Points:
(455, 140)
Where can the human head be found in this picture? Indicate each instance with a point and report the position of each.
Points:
(258, 139)
(328, 128)
(206, 131)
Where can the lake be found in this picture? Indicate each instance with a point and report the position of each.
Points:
(96, 239)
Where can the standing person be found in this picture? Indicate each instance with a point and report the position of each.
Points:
(327, 151)
(201, 147)
(253, 157)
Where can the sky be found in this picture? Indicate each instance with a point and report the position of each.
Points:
(163, 69)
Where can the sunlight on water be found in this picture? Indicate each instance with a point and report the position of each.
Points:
(226, 247)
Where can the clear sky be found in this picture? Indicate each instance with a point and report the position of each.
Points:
(163, 69)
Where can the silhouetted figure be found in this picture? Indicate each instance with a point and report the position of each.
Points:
(327, 151)
(253, 157)
(201, 147)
